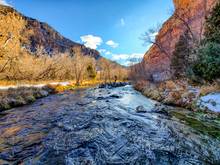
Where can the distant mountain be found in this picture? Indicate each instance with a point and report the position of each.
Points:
(36, 36)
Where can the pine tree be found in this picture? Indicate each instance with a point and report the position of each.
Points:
(180, 58)
(208, 63)
(212, 29)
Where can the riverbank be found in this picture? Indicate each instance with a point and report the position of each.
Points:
(180, 93)
(17, 95)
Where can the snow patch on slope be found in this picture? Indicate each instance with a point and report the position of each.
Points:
(210, 102)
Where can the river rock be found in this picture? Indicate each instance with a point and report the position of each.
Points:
(115, 96)
(43, 93)
(141, 109)
(161, 109)
(113, 85)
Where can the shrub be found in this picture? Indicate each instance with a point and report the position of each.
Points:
(212, 29)
(91, 71)
(208, 63)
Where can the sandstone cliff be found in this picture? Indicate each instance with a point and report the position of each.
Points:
(189, 13)
(36, 36)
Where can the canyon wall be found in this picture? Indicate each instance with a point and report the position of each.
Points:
(188, 15)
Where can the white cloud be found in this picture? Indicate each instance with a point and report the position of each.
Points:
(127, 63)
(91, 41)
(102, 50)
(3, 2)
(122, 22)
(128, 59)
(112, 44)
(106, 52)
(127, 56)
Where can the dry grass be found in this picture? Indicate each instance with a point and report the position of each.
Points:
(20, 96)
(14, 97)
(8, 83)
(206, 89)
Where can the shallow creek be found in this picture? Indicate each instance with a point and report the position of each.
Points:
(101, 126)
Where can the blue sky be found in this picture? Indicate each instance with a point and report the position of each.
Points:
(113, 27)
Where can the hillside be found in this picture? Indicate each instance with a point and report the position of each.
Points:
(36, 36)
(32, 50)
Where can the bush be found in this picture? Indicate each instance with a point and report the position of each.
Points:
(91, 71)
(212, 29)
(20, 96)
(208, 63)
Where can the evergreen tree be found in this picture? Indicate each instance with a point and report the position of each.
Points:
(208, 63)
(91, 72)
(212, 29)
(180, 58)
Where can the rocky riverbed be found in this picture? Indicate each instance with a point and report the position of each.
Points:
(107, 126)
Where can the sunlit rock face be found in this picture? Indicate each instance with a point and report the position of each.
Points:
(37, 37)
(157, 63)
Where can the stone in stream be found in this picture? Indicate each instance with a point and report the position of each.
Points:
(113, 85)
(141, 109)
(115, 96)
(161, 109)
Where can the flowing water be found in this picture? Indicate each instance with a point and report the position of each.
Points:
(101, 126)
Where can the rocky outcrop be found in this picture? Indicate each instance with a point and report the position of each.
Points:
(192, 14)
(36, 36)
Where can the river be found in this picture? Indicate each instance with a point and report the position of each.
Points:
(101, 126)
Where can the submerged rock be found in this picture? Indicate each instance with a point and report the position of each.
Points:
(115, 96)
(141, 109)
(161, 109)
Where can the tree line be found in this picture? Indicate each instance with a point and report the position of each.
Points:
(23, 66)
(17, 63)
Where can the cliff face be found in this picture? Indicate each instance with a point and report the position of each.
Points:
(188, 14)
(36, 36)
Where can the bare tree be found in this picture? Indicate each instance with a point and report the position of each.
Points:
(105, 69)
(150, 38)
(79, 64)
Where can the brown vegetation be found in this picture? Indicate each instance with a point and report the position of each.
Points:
(19, 63)
(20, 96)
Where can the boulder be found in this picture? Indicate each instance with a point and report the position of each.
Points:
(141, 109)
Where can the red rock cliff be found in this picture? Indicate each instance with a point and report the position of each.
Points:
(193, 12)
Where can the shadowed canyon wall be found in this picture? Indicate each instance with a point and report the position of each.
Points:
(188, 15)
